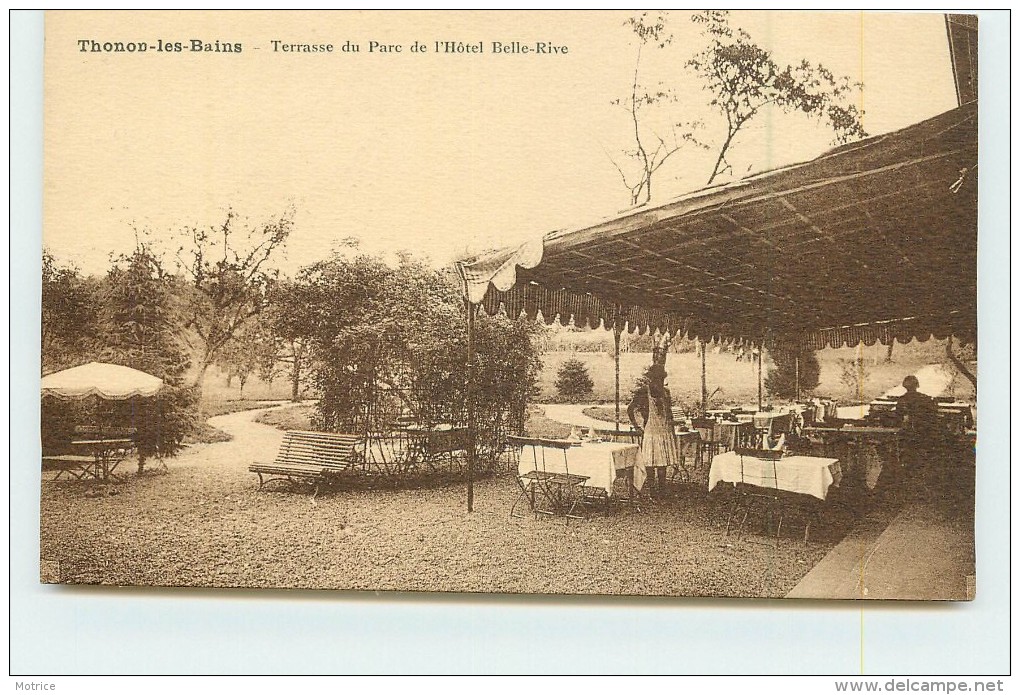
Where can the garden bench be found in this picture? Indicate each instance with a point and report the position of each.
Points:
(311, 458)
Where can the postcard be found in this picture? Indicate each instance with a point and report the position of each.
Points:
(593, 303)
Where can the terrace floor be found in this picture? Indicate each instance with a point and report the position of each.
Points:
(921, 553)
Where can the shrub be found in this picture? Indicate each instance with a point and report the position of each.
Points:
(781, 380)
(573, 383)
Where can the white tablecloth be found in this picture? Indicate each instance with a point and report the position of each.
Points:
(600, 462)
(808, 475)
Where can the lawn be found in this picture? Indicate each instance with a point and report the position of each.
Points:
(737, 381)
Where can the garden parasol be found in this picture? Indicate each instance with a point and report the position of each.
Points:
(99, 383)
(107, 381)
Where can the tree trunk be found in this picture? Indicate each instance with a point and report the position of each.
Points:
(889, 348)
(660, 348)
(960, 366)
(295, 380)
(230, 379)
(202, 367)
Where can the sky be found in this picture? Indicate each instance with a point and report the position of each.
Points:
(440, 154)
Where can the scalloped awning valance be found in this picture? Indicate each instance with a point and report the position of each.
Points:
(872, 241)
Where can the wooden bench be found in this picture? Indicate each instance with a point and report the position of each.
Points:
(310, 458)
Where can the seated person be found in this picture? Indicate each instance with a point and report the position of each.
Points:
(921, 440)
(917, 411)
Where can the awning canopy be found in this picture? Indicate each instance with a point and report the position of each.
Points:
(876, 240)
(109, 381)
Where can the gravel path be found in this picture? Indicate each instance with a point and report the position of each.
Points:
(573, 414)
(205, 524)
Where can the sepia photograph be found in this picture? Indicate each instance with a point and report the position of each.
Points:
(630, 342)
(677, 304)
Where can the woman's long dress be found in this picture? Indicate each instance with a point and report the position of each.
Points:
(658, 446)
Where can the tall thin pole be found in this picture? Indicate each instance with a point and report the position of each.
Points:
(760, 351)
(617, 330)
(704, 378)
(796, 377)
(469, 392)
(471, 404)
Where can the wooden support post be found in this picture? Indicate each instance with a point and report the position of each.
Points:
(469, 392)
(617, 331)
(704, 377)
(760, 351)
(796, 376)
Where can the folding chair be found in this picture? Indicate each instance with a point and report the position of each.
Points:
(764, 492)
(527, 482)
(709, 441)
(560, 490)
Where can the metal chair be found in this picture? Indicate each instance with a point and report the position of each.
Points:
(560, 491)
(692, 466)
(527, 482)
(709, 439)
(763, 492)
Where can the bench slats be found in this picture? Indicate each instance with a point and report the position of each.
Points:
(309, 456)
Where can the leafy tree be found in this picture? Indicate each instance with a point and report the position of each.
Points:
(573, 383)
(138, 325)
(650, 147)
(743, 80)
(141, 330)
(792, 366)
(70, 315)
(228, 280)
(289, 313)
(391, 341)
(247, 354)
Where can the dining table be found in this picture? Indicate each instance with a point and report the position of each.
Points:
(600, 462)
(806, 475)
(92, 458)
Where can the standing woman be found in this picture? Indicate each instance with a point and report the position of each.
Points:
(653, 404)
